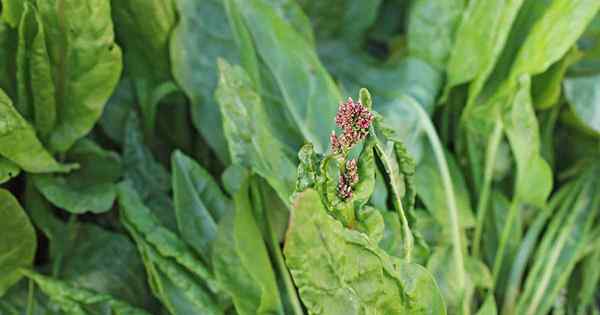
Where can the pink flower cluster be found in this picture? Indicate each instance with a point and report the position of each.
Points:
(354, 119)
(348, 179)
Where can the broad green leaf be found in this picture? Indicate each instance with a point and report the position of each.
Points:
(199, 203)
(242, 262)
(345, 19)
(309, 94)
(178, 278)
(479, 40)
(355, 69)
(19, 144)
(73, 300)
(293, 13)
(583, 95)
(8, 170)
(317, 251)
(149, 178)
(143, 28)
(105, 262)
(249, 136)
(86, 64)
(90, 188)
(200, 37)
(431, 27)
(17, 243)
(534, 176)
(546, 88)
(552, 35)
(34, 74)
(542, 34)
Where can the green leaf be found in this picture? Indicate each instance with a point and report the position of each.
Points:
(91, 188)
(399, 169)
(117, 109)
(144, 28)
(559, 25)
(534, 176)
(8, 42)
(242, 262)
(19, 144)
(309, 94)
(200, 37)
(178, 278)
(72, 300)
(317, 249)
(8, 170)
(19, 299)
(249, 135)
(149, 178)
(86, 64)
(583, 95)
(34, 74)
(104, 262)
(432, 191)
(363, 190)
(546, 87)
(199, 203)
(431, 27)
(11, 11)
(488, 307)
(479, 40)
(17, 243)
(340, 18)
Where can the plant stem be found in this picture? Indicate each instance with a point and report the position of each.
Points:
(482, 205)
(438, 151)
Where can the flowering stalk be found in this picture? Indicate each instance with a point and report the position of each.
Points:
(354, 119)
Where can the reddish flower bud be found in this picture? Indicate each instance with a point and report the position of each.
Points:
(354, 119)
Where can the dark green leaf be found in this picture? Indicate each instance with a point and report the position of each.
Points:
(72, 300)
(583, 95)
(431, 27)
(201, 36)
(199, 203)
(242, 263)
(17, 243)
(91, 188)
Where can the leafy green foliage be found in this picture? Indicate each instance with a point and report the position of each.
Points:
(317, 251)
(18, 244)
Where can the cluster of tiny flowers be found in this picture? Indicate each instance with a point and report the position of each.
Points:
(354, 119)
(348, 179)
